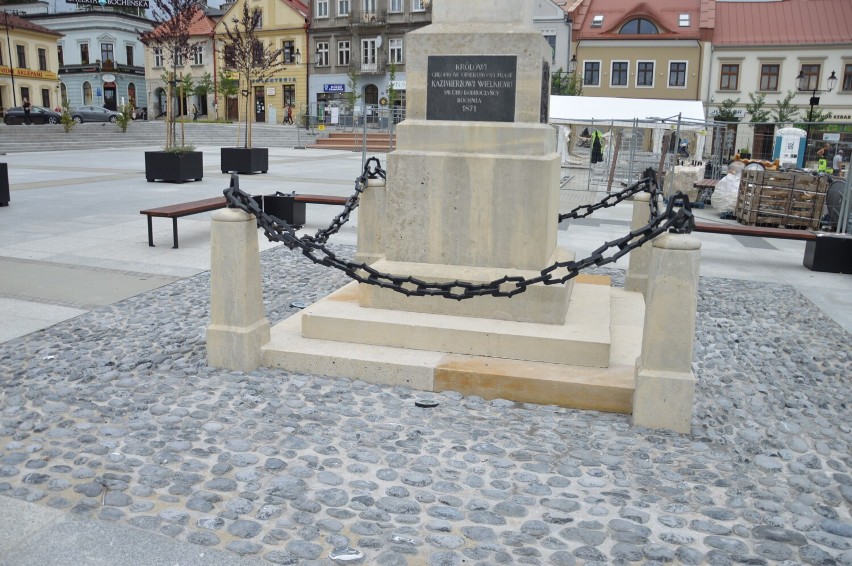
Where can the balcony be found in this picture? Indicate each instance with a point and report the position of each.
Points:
(361, 18)
(378, 67)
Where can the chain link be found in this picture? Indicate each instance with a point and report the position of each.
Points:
(313, 247)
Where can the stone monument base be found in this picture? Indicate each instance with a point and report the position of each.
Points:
(588, 362)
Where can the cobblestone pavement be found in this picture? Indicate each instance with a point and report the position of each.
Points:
(115, 415)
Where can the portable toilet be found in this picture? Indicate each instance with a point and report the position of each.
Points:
(790, 146)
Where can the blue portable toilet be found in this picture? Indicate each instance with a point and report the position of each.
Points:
(790, 146)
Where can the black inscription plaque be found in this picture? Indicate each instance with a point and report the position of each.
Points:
(545, 92)
(472, 88)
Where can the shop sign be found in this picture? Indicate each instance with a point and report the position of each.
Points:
(120, 3)
(398, 85)
(333, 88)
(270, 91)
(109, 78)
(29, 73)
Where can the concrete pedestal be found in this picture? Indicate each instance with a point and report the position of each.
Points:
(637, 270)
(665, 385)
(238, 325)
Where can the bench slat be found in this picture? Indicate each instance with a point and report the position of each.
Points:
(758, 231)
(320, 199)
(186, 208)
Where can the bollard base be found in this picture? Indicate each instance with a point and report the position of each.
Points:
(663, 399)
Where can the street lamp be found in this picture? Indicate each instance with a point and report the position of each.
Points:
(803, 84)
(572, 68)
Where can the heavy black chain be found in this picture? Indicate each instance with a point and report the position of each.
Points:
(313, 247)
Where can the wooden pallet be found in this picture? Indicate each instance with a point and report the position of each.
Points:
(782, 199)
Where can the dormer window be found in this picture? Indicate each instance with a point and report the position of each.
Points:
(683, 20)
(638, 26)
(597, 21)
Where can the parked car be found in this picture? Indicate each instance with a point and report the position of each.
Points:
(94, 114)
(38, 115)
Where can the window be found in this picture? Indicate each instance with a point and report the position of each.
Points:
(131, 94)
(677, 74)
(45, 97)
(289, 95)
(59, 55)
(22, 56)
(322, 54)
(730, 77)
(597, 21)
(257, 52)
(158, 56)
(322, 8)
(368, 55)
(418, 6)
(1, 55)
(129, 53)
(258, 16)
(683, 20)
(369, 6)
(343, 53)
(847, 78)
(638, 26)
(769, 77)
(42, 59)
(811, 73)
(107, 52)
(179, 59)
(645, 73)
(619, 73)
(396, 5)
(289, 51)
(592, 73)
(63, 93)
(342, 7)
(84, 54)
(25, 93)
(229, 54)
(197, 54)
(551, 41)
(395, 50)
(87, 93)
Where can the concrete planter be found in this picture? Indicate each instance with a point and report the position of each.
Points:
(4, 184)
(245, 159)
(174, 167)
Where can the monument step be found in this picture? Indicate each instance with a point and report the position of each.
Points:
(583, 339)
(601, 388)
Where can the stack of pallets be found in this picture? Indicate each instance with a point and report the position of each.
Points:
(781, 199)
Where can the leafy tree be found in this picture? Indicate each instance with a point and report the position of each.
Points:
(566, 84)
(171, 35)
(68, 122)
(726, 111)
(123, 121)
(785, 111)
(352, 96)
(756, 108)
(228, 87)
(246, 53)
(204, 86)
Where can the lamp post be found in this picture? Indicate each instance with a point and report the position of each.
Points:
(11, 62)
(803, 84)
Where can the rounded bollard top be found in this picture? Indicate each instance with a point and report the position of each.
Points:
(642, 197)
(231, 215)
(672, 241)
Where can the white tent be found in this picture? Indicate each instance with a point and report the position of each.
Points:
(597, 109)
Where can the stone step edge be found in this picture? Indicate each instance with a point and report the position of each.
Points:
(603, 389)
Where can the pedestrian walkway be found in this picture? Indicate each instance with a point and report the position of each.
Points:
(120, 446)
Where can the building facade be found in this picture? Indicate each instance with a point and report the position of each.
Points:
(358, 47)
(550, 18)
(28, 63)
(640, 49)
(201, 65)
(100, 57)
(284, 25)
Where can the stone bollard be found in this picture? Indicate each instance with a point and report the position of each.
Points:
(371, 217)
(238, 326)
(664, 383)
(637, 268)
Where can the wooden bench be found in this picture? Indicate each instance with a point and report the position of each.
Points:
(176, 211)
(757, 231)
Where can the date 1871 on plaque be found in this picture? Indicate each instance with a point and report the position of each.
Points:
(472, 88)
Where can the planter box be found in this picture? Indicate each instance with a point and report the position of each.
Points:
(245, 159)
(830, 253)
(174, 167)
(4, 184)
(283, 207)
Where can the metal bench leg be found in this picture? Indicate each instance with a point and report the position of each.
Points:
(174, 232)
(150, 233)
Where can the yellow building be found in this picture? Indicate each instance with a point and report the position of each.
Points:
(284, 25)
(29, 63)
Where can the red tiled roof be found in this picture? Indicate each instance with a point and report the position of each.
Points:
(788, 22)
(202, 24)
(664, 13)
(21, 23)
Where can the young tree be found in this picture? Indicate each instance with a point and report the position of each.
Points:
(203, 87)
(566, 84)
(254, 60)
(171, 35)
(726, 111)
(785, 112)
(228, 87)
(756, 108)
